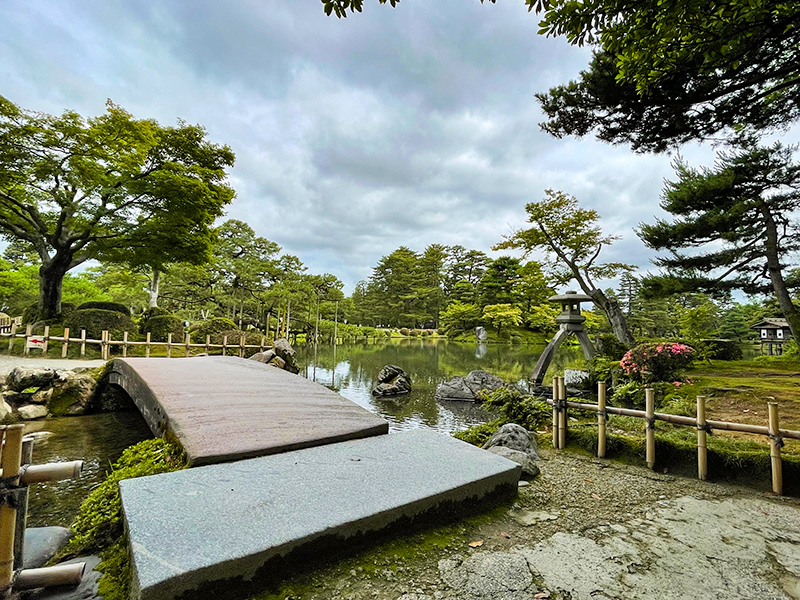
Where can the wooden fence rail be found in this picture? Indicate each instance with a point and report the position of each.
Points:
(105, 343)
(704, 426)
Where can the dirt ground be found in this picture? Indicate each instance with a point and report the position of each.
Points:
(585, 529)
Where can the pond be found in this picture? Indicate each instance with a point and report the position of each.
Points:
(351, 370)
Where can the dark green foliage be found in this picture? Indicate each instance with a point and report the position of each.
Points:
(405, 331)
(97, 320)
(211, 326)
(161, 326)
(514, 407)
(477, 435)
(235, 336)
(602, 368)
(105, 306)
(149, 313)
(609, 346)
(723, 349)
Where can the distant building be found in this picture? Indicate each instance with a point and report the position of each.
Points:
(773, 333)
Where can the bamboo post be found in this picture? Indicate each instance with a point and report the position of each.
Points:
(125, 343)
(188, 341)
(83, 342)
(46, 339)
(261, 344)
(555, 412)
(208, 344)
(169, 345)
(775, 444)
(147, 346)
(57, 575)
(104, 344)
(241, 346)
(28, 330)
(58, 471)
(224, 345)
(22, 504)
(13, 337)
(601, 419)
(650, 426)
(65, 343)
(702, 452)
(11, 458)
(562, 414)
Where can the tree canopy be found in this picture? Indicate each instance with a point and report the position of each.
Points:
(732, 226)
(110, 187)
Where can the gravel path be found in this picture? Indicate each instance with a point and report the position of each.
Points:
(7, 363)
(588, 530)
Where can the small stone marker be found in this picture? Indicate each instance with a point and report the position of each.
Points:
(225, 523)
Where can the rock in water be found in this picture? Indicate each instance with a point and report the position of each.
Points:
(284, 349)
(71, 393)
(515, 437)
(467, 388)
(393, 381)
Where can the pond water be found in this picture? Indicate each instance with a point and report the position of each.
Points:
(351, 370)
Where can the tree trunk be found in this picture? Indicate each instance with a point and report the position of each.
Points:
(153, 288)
(619, 324)
(51, 277)
(771, 250)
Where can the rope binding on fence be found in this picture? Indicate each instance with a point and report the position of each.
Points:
(777, 438)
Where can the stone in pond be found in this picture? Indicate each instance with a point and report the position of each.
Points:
(467, 388)
(393, 382)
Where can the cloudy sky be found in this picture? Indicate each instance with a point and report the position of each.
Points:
(405, 126)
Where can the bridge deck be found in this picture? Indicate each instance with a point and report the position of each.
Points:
(227, 529)
(225, 408)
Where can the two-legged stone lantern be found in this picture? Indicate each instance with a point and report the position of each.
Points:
(570, 321)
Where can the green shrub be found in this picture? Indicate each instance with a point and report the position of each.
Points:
(629, 395)
(161, 326)
(30, 313)
(609, 346)
(440, 331)
(115, 306)
(404, 331)
(211, 326)
(234, 336)
(149, 313)
(602, 368)
(656, 361)
(723, 349)
(790, 349)
(416, 332)
(477, 435)
(529, 411)
(96, 320)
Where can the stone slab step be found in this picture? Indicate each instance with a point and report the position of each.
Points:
(228, 523)
(227, 408)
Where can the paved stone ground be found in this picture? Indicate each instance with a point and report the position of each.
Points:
(7, 363)
(587, 530)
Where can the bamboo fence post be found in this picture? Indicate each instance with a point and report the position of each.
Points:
(241, 346)
(562, 414)
(775, 444)
(83, 342)
(28, 329)
(555, 412)
(601, 419)
(650, 427)
(702, 452)
(261, 344)
(187, 341)
(169, 345)
(65, 343)
(224, 345)
(12, 455)
(125, 343)
(22, 505)
(46, 339)
(13, 337)
(208, 343)
(147, 346)
(103, 345)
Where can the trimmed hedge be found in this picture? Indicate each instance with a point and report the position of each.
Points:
(161, 326)
(149, 313)
(115, 306)
(211, 326)
(29, 314)
(96, 320)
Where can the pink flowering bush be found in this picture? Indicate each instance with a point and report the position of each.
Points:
(656, 361)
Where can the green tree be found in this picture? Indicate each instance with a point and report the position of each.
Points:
(459, 317)
(502, 315)
(740, 215)
(78, 189)
(572, 241)
(498, 285)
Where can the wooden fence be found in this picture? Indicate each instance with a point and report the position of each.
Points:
(704, 426)
(105, 343)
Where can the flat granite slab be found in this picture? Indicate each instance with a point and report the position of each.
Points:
(223, 528)
(223, 408)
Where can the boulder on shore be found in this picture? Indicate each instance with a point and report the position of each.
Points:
(514, 442)
(392, 381)
(284, 349)
(467, 388)
(22, 378)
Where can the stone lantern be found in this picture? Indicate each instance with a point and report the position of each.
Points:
(570, 321)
